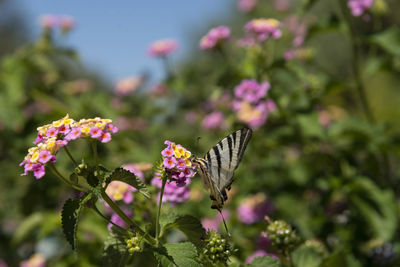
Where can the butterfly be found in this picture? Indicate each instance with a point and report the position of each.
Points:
(219, 164)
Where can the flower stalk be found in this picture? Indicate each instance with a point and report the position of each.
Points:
(164, 181)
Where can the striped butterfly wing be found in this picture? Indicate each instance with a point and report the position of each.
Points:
(221, 162)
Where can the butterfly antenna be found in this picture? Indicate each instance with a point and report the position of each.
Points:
(226, 227)
(198, 141)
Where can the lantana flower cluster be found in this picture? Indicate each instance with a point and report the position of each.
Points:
(263, 29)
(52, 137)
(358, 7)
(177, 167)
(215, 37)
(66, 23)
(250, 104)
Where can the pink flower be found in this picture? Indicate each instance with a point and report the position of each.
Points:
(247, 5)
(128, 85)
(96, 132)
(118, 221)
(282, 5)
(213, 223)
(132, 168)
(48, 22)
(251, 91)
(214, 120)
(44, 156)
(214, 37)
(73, 134)
(118, 190)
(105, 137)
(263, 29)
(38, 170)
(167, 152)
(67, 23)
(61, 143)
(52, 132)
(169, 163)
(162, 48)
(358, 7)
(254, 208)
(112, 128)
(191, 116)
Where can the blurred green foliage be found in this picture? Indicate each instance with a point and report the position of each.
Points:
(326, 159)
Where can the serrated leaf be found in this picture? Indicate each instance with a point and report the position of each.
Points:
(115, 252)
(178, 254)
(120, 174)
(306, 257)
(70, 215)
(265, 261)
(189, 225)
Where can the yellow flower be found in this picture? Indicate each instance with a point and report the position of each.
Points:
(100, 125)
(188, 163)
(58, 123)
(187, 154)
(85, 130)
(35, 157)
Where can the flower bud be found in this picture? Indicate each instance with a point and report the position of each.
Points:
(216, 249)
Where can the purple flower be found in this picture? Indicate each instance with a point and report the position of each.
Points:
(118, 221)
(38, 170)
(112, 128)
(251, 91)
(358, 7)
(38, 139)
(214, 120)
(63, 129)
(253, 209)
(48, 21)
(173, 193)
(214, 37)
(162, 48)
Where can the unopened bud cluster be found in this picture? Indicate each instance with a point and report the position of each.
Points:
(133, 244)
(282, 235)
(216, 248)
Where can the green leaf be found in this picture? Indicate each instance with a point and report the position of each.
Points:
(377, 206)
(388, 40)
(178, 254)
(306, 257)
(310, 125)
(70, 215)
(120, 174)
(189, 225)
(265, 261)
(27, 226)
(342, 259)
(115, 252)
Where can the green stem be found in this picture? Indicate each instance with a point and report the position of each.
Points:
(164, 181)
(59, 175)
(96, 159)
(105, 218)
(70, 156)
(126, 219)
(355, 43)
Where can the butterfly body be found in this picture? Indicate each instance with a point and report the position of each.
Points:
(218, 165)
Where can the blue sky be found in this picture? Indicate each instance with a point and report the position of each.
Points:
(112, 36)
